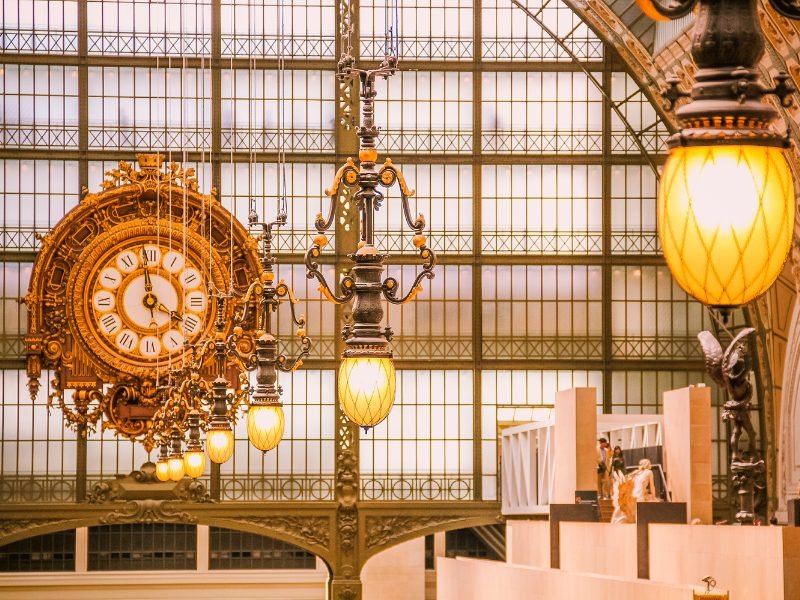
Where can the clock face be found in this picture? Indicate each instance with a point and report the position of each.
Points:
(147, 301)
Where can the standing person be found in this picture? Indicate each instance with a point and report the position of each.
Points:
(617, 462)
(603, 469)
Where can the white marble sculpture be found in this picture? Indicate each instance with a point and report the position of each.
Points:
(623, 500)
(638, 486)
(644, 487)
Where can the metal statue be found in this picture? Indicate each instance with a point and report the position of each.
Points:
(729, 369)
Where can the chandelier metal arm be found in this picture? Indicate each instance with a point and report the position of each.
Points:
(346, 175)
(239, 397)
(389, 175)
(313, 272)
(286, 366)
(244, 362)
(255, 289)
(282, 363)
(390, 285)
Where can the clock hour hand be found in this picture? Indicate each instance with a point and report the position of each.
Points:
(172, 314)
(148, 285)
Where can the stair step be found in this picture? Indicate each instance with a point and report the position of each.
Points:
(606, 508)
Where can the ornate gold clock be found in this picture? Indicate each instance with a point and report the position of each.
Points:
(120, 291)
(145, 300)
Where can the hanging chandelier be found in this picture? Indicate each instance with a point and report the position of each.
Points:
(190, 403)
(265, 421)
(366, 382)
(726, 202)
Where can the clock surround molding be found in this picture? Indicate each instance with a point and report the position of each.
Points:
(133, 204)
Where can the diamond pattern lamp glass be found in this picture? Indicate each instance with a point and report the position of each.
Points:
(725, 219)
(366, 389)
(265, 426)
(219, 445)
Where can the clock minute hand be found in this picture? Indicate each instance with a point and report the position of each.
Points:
(172, 314)
(148, 285)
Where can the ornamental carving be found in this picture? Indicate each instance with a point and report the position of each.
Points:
(138, 483)
(347, 521)
(381, 531)
(148, 512)
(346, 477)
(9, 527)
(149, 227)
(313, 531)
(347, 593)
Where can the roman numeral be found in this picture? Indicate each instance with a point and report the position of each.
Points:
(104, 301)
(110, 323)
(126, 260)
(149, 346)
(110, 278)
(196, 302)
(126, 341)
(174, 259)
(190, 278)
(151, 254)
(174, 341)
(191, 323)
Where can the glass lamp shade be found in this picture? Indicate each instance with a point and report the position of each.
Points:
(219, 445)
(265, 426)
(725, 219)
(194, 463)
(162, 470)
(176, 470)
(366, 389)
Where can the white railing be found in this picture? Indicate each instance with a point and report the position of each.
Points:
(631, 432)
(529, 463)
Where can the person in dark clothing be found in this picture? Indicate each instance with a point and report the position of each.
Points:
(617, 461)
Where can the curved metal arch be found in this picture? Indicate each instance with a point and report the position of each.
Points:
(421, 528)
(597, 84)
(324, 554)
(17, 529)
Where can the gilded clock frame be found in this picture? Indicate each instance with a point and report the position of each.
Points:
(81, 285)
(132, 203)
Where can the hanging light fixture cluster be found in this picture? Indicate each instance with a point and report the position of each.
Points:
(190, 403)
(206, 392)
(366, 382)
(726, 202)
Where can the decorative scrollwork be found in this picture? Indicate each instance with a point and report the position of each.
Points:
(148, 511)
(87, 407)
(347, 521)
(381, 531)
(311, 530)
(150, 173)
(9, 527)
(313, 271)
(347, 173)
